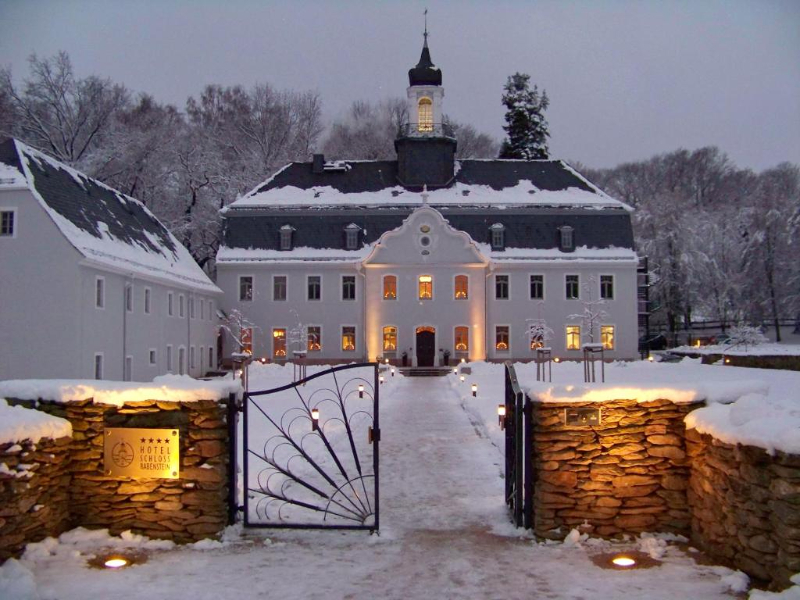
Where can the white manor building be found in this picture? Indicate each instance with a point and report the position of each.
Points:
(429, 256)
(92, 285)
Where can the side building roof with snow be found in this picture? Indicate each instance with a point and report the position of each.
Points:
(111, 230)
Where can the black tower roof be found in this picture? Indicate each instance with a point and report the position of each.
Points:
(425, 73)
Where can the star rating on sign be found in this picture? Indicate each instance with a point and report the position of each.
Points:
(144, 440)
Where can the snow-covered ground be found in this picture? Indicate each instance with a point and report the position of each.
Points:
(444, 528)
(769, 349)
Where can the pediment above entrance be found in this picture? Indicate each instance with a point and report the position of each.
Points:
(425, 238)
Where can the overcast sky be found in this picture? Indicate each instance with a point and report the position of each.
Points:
(626, 79)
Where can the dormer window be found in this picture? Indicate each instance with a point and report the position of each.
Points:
(566, 238)
(351, 236)
(425, 115)
(498, 233)
(286, 237)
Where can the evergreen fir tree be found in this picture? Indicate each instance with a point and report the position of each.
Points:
(525, 123)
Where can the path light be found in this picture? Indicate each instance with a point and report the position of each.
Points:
(463, 360)
(501, 415)
(727, 361)
(474, 390)
(381, 379)
(314, 419)
(650, 358)
(392, 371)
(455, 370)
(116, 562)
(360, 390)
(461, 378)
(263, 360)
(387, 361)
(556, 360)
(623, 561)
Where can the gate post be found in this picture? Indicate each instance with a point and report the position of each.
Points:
(233, 421)
(530, 478)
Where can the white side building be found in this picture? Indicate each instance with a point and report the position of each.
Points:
(93, 285)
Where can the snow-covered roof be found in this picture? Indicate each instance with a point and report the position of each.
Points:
(580, 253)
(227, 255)
(491, 183)
(111, 230)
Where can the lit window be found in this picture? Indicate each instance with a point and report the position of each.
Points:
(100, 292)
(129, 298)
(425, 287)
(7, 222)
(607, 287)
(98, 366)
(425, 115)
(389, 339)
(349, 339)
(501, 287)
(286, 237)
(501, 338)
(247, 340)
(349, 287)
(279, 288)
(573, 287)
(314, 287)
(390, 287)
(537, 287)
(147, 300)
(537, 341)
(462, 287)
(462, 339)
(314, 338)
(245, 289)
(607, 336)
(279, 343)
(498, 232)
(573, 337)
(351, 236)
(566, 237)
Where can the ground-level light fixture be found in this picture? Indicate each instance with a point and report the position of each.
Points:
(455, 370)
(263, 360)
(314, 419)
(650, 358)
(727, 361)
(623, 561)
(387, 361)
(116, 562)
(626, 560)
(463, 360)
(474, 390)
(556, 360)
(360, 390)
(461, 378)
(501, 415)
(392, 371)
(381, 379)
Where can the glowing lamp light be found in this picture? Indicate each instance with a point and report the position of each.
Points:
(392, 371)
(455, 370)
(387, 361)
(727, 361)
(263, 360)
(461, 377)
(314, 419)
(463, 360)
(556, 360)
(381, 379)
(474, 390)
(501, 415)
(360, 390)
(650, 358)
(623, 561)
(116, 562)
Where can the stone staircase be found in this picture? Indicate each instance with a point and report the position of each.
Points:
(425, 371)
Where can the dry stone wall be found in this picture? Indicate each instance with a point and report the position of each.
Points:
(186, 509)
(627, 475)
(745, 507)
(34, 488)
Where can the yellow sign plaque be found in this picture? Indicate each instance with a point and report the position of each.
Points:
(141, 453)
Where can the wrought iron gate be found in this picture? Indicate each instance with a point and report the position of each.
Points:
(520, 477)
(311, 452)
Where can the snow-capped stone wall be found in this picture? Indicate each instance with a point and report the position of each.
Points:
(33, 491)
(627, 475)
(745, 506)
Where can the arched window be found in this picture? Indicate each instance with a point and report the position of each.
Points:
(390, 287)
(425, 114)
(461, 287)
(425, 287)
(389, 339)
(462, 339)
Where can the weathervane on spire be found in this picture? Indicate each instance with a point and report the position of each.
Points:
(425, 35)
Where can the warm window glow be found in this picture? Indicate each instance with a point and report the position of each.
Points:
(425, 115)
(425, 287)
(501, 338)
(279, 343)
(536, 342)
(314, 339)
(348, 338)
(390, 287)
(389, 339)
(247, 340)
(462, 339)
(462, 287)
(573, 337)
(607, 336)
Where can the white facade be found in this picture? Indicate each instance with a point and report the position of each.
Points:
(426, 246)
(65, 313)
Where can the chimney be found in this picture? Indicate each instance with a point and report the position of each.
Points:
(319, 163)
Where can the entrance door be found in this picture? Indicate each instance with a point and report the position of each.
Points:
(426, 346)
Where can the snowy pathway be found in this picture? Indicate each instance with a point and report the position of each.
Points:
(444, 534)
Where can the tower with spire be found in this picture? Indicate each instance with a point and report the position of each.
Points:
(425, 144)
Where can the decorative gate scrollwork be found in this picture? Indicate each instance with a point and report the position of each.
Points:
(311, 452)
